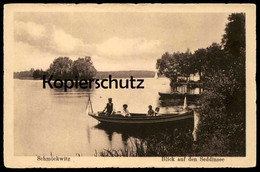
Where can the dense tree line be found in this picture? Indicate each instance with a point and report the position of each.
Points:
(24, 74)
(38, 73)
(221, 67)
(62, 68)
(125, 74)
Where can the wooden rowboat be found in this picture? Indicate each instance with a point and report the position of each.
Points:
(137, 118)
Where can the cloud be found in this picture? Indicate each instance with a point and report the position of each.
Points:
(118, 47)
(53, 39)
(114, 53)
(126, 54)
(33, 30)
(65, 43)
(48, 38)
(27, 57)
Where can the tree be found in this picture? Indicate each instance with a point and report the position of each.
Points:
(215, 60)
(234, 38)
(184, 67)
(37, 73)
(223, 103)
(222, 68)
(176, 64)
(233, 42)
(167, 65)
(61, 68)
(83, 68)
(198, 61)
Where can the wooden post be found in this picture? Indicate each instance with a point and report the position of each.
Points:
(90, 104)
(196, 122)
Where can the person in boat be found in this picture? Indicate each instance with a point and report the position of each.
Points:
(156, 112)
(109, 107)
(150, 111)
(125, 111)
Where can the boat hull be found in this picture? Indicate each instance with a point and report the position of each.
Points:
(117, 119)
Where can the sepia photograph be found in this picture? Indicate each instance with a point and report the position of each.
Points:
(130, 85)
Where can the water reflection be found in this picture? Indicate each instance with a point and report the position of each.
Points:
(143, 131)
(79, 92)
(61, 118)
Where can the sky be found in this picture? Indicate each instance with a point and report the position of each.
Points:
(114, 40)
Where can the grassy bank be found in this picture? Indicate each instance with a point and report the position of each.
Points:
(176, 144)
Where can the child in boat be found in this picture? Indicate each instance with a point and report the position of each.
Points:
(125, 111)
(150, 111)
(157, 109)
(109, 107)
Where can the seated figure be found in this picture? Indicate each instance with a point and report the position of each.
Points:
(157, 109)
(125, 111)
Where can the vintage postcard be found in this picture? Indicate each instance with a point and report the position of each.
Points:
(129, 85)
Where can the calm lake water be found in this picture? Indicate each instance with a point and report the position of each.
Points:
(53, 121)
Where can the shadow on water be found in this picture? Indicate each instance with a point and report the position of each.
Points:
(144, 131)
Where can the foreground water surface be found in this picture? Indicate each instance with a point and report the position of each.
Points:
(53, 121)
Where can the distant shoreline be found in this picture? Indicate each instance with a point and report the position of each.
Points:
(104, 74)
